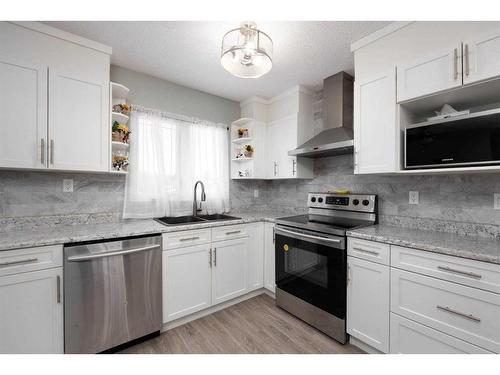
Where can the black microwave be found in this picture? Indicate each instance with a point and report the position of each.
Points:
(468, 140)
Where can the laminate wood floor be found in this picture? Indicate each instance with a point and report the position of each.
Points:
(256, 326)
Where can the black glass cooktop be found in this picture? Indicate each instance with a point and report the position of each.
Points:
(321, 223)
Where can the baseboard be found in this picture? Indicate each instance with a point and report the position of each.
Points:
(269, 293)
(365, 347)
(211, 310)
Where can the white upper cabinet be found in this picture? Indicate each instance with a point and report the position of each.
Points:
(23, 113)
(375, 135)
(437, 72)
(481, 58)
(78, 122)
(54, 99)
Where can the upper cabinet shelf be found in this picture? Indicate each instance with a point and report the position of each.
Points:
(241, 140)
(119, 91)
(120, 117)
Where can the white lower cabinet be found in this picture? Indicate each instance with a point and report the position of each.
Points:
(209, 272)
(269, 268)
(368, 302)
(187, 280)
(409, 337)
(31, 312)
(255, 255)
(229, 271)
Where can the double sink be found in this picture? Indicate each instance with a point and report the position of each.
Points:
(183, 220)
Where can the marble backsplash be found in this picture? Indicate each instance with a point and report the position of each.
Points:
(461, 203)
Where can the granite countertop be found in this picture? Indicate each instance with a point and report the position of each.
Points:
(477, 248)
(63, 234)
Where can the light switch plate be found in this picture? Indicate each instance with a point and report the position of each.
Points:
(68, 186)
(413, 197)
(256, 193)
(496, 201)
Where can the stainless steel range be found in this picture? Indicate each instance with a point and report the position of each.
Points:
(311, 259)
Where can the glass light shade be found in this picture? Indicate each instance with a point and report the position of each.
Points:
(247, 51)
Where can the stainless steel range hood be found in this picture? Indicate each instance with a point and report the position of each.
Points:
(337, 138)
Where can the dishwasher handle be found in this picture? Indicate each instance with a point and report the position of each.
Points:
(81, 258)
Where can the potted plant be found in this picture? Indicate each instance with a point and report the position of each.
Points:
(123, 108)
(120, 132)
(248, 151)
(242, 133)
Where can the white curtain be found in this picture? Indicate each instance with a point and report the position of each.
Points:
(167, 156)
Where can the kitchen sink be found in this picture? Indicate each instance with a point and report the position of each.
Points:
(180, 220)
(218, 217)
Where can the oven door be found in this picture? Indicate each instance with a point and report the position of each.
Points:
(312, 266)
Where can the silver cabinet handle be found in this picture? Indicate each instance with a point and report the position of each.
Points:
(58, 284)
(18, 262)
(302, 235)
(348, 275)
(294, 170)
(366, 251)
(464, 273)
(466, 53)
(455, 63)
(81, 258)
(189, 239)
(210, 257)
(275, 168)
(42, 151)
(52, 151)
(215, 257)
(455, 312)
(233, 232)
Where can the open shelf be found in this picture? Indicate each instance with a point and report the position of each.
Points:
(120, 117)
(120, 145)
(242, 121)
(241, 159)
(241, 140)
(119, 91)
(119, 172)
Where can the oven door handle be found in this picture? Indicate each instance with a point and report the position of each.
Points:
(302, 235)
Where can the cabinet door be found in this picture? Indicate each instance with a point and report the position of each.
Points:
(186, 281)
(482, 58)
(368, 302)
(272, 150)
(255, 256)
(78, 123)
(32, 319)
(283, 138)
(23, 114)
(229, 272)
(434, 73)
(269, 260)
(375, 127)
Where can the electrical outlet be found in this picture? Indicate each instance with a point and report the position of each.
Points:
(68, 186)
(413, 197)
(496, 201)
(256, 193)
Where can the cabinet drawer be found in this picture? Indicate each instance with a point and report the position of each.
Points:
(369, 250)
(25, 260)
(409, 337)
(468, 272)
(466, 313)
(185, 238)
(229, 232)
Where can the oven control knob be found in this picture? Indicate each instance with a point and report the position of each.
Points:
(355, 202)
(313, 199)
(320, 200)
(366, 202)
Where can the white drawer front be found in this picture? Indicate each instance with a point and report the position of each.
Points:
(469, 314)
(229, 232)
(31, 259)
(409, 337)
(473, 273)
(369, 250)
(185, 238)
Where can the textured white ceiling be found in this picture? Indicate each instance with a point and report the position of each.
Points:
(188, 53)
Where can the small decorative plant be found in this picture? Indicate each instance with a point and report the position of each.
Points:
(248, 150)
(242, 133)
(121, 132)
(122, 108)
(120, 163)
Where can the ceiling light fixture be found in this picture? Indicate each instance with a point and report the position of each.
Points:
(247, 52)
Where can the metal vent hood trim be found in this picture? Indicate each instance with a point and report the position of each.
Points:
(330, 142)
(338, 136)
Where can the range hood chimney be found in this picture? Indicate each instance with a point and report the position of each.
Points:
(338, 137)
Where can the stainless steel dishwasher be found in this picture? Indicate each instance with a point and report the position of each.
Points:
(112, 293)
